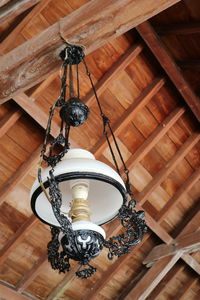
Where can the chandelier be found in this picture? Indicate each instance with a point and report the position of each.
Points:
(75, 193)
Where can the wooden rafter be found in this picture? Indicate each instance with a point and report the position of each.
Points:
(187, 286)
(174, 272)
(170, 166)
(11, 293)
(129, 114)
(186, 244)
(14, 8)
(9, 120)
(154, 138)
(193, 64)
(34, 110)
(91, 31)
(17, 238)
(179, 29)
(31, 274)
(19, 175)
(155, 274)
(114, 72)
(187, 185)
(159, 50)
(14, 34)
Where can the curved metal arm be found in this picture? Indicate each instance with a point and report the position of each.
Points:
(135, 227)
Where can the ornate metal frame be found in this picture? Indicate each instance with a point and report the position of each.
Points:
(82, 245)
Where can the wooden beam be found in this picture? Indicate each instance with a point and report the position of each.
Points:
(129, 114)
(108, 274)
(19, 175)
(113, 72)
(3, 2)
(186, 244)
(17, 238)
(161, 53)
(186, 186)
(179, 29)
(152, 278)
(14, 8)
(31, 274)
(166, 281)
(8, 293)
(43, 85)
(34, 110)
(5, 44)
(36, 59)
(62, 286)
(155, 274)
(170, 166)
(191, 262)
(190, 64)
(9, 120)
(181, 295)
(154, 138)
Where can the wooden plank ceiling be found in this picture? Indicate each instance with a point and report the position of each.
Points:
(145, 60)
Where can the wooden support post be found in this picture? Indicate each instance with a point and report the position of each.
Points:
(155, 274)
(185, 244)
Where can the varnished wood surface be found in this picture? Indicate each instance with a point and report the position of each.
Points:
(159, 138)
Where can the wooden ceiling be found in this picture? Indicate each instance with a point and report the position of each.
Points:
(144, 56)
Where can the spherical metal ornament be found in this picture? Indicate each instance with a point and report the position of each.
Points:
(74, 112)
(87, 245)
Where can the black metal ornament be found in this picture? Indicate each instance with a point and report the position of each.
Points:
(83, 245)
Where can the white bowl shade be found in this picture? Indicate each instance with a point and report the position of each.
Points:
(106, 188)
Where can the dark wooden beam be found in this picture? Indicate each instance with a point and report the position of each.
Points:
(167, 62)
(14, 8)
(191, 64)
(179, 29)
(186, 244)
(37, 58)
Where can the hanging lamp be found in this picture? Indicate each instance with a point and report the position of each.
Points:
(76, 194)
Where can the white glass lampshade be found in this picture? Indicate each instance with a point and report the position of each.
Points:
(106, 188)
